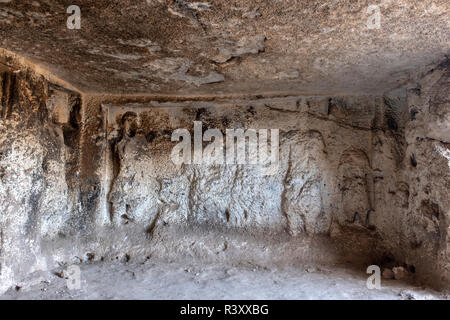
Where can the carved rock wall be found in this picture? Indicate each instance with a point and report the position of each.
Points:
(38, 152)
(90, 177)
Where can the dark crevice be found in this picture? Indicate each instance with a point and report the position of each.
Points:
(8, 94)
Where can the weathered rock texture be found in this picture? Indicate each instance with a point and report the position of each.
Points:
(364, 178)
(234, 46)
(40, 126)
(86, 118)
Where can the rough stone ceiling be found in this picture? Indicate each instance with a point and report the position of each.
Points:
(222, 47)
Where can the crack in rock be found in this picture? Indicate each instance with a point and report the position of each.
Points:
(247, 45)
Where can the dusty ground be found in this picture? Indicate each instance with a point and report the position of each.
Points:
(156, 280)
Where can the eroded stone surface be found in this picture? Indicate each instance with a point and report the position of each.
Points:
(355, 168)
(364, 135)
(315, 46)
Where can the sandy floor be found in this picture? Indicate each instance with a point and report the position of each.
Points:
(153, 280)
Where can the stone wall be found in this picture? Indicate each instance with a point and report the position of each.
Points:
(86, 177)
(38, 160)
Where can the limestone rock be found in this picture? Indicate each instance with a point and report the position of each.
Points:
(388, 274)
(400, 273)
(87, 117)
